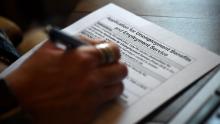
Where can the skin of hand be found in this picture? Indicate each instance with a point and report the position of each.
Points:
(57, 86)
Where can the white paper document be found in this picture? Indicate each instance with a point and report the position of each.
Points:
(160, 63)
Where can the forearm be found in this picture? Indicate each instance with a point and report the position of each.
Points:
(9, 107)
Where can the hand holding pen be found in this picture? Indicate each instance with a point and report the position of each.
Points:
(106, 51)
(61, 86)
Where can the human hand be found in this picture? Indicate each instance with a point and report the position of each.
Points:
(57, 86)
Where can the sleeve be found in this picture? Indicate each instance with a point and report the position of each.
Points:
(10, 111)
(8, 53)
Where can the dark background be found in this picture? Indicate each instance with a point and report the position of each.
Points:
(37, 12)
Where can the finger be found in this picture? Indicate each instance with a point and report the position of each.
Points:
(84, 56)
(49, 50)
(109, 51)
(89, 55)
(109, 93)
(115, 49)
(48, 45)
(109, 74)
(90, 40)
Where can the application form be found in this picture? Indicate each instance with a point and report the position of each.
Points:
(150, 62)
(160, 63)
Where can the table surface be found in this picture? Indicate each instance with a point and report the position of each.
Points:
(196, 20)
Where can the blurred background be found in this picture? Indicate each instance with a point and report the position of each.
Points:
(24, 20)
(28, 13)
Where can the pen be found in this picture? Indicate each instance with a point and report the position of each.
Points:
(70, 42)
(56, 35)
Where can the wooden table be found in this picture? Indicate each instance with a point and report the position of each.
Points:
(195, 20)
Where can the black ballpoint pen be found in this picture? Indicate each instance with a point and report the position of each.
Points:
(56, 35)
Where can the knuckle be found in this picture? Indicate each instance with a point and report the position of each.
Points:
(89, 56)
(85, 59)
(120, 88)
(116, 49)
(93, 80)
(124, 70)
